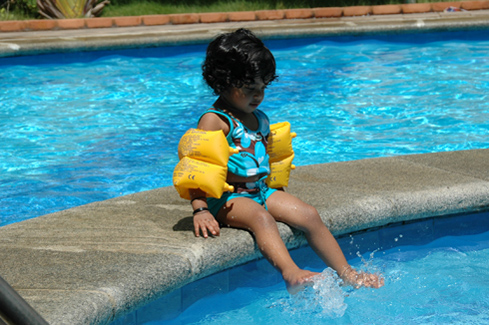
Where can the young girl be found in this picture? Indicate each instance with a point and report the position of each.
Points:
(238, 67)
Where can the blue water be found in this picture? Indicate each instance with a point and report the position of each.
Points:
(440, 281)
(83, 127)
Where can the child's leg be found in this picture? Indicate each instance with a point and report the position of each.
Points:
(288, 209)
(246, 214)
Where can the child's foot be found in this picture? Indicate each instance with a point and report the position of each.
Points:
(352, 277)
(298, 280)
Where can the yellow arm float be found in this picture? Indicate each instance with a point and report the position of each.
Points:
(209, 146)
(203, 163)
(281, 154)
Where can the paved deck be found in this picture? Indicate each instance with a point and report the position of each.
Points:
(94, 263)
(35, 42)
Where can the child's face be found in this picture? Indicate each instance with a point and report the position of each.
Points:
(246, 98)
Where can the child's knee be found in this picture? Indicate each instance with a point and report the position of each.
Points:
(311, 218)
(311, 213)
(264, 219)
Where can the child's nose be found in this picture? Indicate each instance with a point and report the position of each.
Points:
(259, 93)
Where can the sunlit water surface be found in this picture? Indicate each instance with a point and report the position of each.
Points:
(78, 128)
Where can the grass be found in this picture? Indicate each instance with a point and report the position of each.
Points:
(147, 7)
(153, 7)
(13, 15)
(119, 8)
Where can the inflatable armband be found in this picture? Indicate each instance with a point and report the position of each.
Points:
(203, 163)
(281, 154)
(209, 146)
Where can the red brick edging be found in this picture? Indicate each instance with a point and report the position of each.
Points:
(218, 17)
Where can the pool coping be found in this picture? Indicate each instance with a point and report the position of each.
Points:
(275, 24)
(95, 263)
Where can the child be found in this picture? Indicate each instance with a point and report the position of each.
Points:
(238, 67)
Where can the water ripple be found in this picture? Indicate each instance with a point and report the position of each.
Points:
(82, 127)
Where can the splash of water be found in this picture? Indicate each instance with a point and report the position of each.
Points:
(324, 299)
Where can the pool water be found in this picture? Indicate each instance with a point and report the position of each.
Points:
(82, 127)
(441, 281)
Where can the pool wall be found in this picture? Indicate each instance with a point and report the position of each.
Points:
(261, 274)
(95, 263)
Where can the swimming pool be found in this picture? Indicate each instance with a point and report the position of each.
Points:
(84, 127)
(435, 271)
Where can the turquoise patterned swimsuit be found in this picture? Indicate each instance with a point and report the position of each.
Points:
(252, 160)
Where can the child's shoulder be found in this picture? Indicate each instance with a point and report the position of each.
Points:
(212, 121)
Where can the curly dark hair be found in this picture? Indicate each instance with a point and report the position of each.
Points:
(236, 59)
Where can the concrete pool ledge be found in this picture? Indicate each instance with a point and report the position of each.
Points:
(94, 263)
(46, 41)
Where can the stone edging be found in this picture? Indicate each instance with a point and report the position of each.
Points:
(96, 263)
(219, 17)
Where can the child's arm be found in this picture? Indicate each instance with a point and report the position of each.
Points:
(203, 220)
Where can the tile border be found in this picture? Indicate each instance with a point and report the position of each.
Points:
(221, 17)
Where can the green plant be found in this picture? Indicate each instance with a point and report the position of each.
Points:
(4, 10)
(3, 14)
(10, 9)
(60, 9)
(27, 7)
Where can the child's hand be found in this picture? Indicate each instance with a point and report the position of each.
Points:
(368, 280)
(204, 221)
